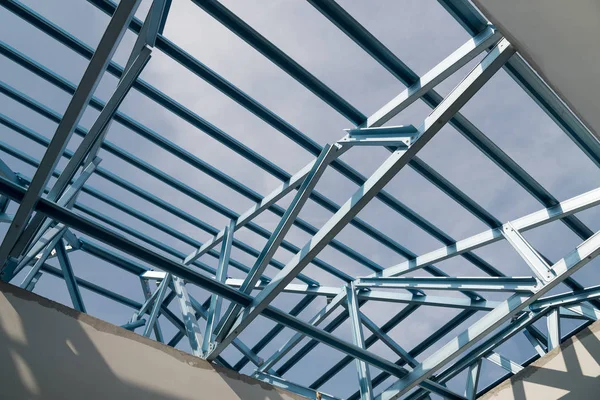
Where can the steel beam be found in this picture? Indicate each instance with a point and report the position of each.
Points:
(67, 199)
(91, 78)
(490, 284)
(364, 375)
(532, 258)
(90, 141)
(47, 234)
(202, 312)
(459, 58)
(7, 173)
(150, 296)
(47, 250)
(279, 58)
(131, 326)
(553, 324)
(473, 380)
(158, 301)
(328, 154)
(298, 336)
(214, 311)
(192, 329)
(388, 341)
(392, 136)
(540, 348)
(504, 362)
(69, 275)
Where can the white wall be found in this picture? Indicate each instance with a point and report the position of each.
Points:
(571, 372)
(48, 351)
(560, 39)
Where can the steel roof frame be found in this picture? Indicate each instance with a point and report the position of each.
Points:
(31, 241)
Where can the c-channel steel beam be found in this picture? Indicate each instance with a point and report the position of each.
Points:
(298, 336)
(568, 265)
(532, 258)
(66, 200)
(504, 362)
(391, 136)
(364, 375)
(388, 341)
(148, 294)
(279, 58)
(459, 58)
(93, 136)
(158, 300)
(530, 221)
(473, 380)
(473, 21)
(553, 324)
(150, 300)
(91, 78)
(145, 41)
(250, 104)
(7, 173)
(564, 300)
(413, 256)
(328, 154)
(214, 311)
(490, 284)
(536, 344)
(432, 124)
(266, 339)
(420, 348)
(201, 311)
(69, 276)
(109, 237)
(48, 248)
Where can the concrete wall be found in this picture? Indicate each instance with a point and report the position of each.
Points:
(48, 351)
(570, 372)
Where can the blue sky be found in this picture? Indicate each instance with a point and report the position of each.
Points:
(421, 33)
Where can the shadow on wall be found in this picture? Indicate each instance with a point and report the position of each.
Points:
(569, 373)
(48, 351)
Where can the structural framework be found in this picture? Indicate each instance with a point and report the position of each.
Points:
(49, 222)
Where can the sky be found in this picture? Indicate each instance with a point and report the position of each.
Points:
(421, 34)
